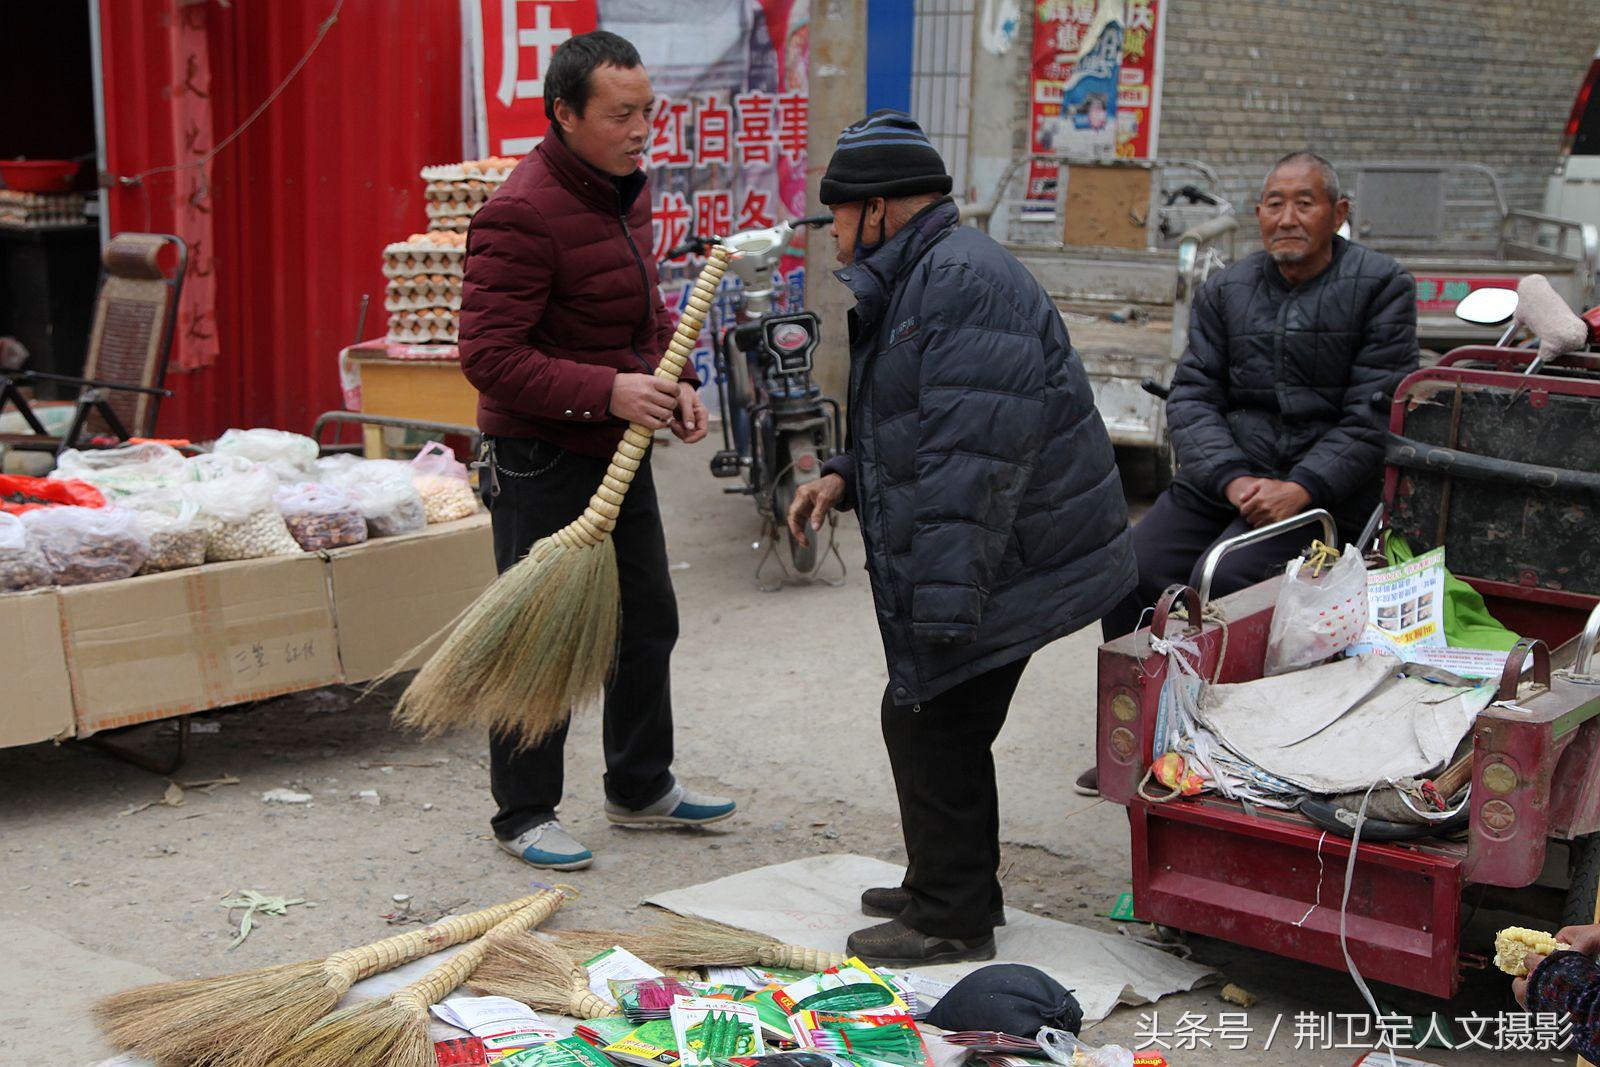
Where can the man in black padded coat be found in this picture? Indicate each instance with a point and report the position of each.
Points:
(1280, 402)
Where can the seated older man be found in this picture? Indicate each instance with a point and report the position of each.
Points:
(1272, 406)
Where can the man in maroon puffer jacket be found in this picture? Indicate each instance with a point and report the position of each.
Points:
(561, 326)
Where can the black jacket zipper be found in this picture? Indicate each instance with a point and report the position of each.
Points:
(644, 278)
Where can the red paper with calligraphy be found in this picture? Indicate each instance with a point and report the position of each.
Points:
(518, 37)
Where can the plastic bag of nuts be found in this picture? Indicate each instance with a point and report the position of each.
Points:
(321, 516)
(447, 495)
(288, 455)
(22, 565)
(381, 488)
(238, 494)
(84, 545)
(172, 521)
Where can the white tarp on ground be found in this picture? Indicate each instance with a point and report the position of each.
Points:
(1344, 725)
(817, 902)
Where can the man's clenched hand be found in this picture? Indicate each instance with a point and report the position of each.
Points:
(644, 399)
(690, 424)
(812, 501)
(1274, 501)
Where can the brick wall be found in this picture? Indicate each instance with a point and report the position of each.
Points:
(1248, 80)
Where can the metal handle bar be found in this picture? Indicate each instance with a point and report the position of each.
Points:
(1330, 535)
(1582, 661)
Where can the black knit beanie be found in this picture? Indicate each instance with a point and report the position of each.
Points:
(885, 154)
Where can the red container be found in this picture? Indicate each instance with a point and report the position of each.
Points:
(38, 175)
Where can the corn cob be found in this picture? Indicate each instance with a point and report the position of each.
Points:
(1514, 944)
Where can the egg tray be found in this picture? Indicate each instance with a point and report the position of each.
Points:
(407, 329)
(497, 172)
(407, 294)
(472, 191)
(42, 210)
(405, 260)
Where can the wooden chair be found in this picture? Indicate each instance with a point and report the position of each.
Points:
(120, 391)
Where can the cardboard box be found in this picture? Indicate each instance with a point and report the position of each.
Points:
(169, 644)
(392, 594)
(37, 701)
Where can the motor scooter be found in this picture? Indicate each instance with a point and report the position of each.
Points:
(778, 427)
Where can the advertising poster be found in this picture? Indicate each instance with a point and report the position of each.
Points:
(1095, 84)
(728, 148)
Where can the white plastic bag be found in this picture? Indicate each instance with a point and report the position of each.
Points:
(123, 471)
(320, 516)
(289, 456)
(1320, 612)
(22, 565)
(238, 494)
(382, 489)
(84, 545)
(171, 519)
(443, 482)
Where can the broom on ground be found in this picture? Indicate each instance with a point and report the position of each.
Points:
(540, 640)
(239, 1020)
(393, 1030)
(541, 974)
(685, 941)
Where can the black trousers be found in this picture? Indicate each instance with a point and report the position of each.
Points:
(535, 489)
(1171, 542)
(943, 763)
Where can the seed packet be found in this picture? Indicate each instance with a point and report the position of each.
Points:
(709, 1030)
(852, 986)
(885, 1039)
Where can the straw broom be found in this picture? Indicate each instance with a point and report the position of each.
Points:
(684, 941)
(540, 640)
(393, 1031)
(540, 974)
(239, 1020)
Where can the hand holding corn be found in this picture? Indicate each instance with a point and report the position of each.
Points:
(1514, 944)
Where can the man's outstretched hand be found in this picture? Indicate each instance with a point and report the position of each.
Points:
(1263, 501)
(812, 502)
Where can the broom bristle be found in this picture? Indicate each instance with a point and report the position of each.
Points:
(538, 643)
(378, 1032)
(587, 944)
(540, 974)
(235, 1019)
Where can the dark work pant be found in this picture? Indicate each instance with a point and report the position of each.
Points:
(541, 489)
(1171, 542)
(943, 763)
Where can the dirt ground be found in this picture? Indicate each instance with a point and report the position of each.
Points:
(776, 697)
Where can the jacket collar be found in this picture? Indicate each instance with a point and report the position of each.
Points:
(614, 196)
(874, 278)
(1276, 277)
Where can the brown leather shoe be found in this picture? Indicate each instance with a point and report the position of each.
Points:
(1088, 783)
(894, 944)
(886, 902)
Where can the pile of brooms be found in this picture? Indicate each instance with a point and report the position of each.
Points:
(288, 1015)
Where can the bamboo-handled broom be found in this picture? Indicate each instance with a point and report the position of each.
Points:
(684, 941)
(541, 974)
(393, 1031)
(239, 1020)
(540, 640)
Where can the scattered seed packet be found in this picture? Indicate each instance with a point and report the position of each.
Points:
(774, 1020)
(709, 1030)
(648, 1044)
(503, 1025)
(616, 964)
(883, 1039)
(568, 1052)
(853, 986)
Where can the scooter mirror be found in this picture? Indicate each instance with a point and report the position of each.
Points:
(1487, 307)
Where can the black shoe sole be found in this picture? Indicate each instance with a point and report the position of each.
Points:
(996, 918)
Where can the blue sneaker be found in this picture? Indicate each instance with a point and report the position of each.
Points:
(680, 807)
(548, 845)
